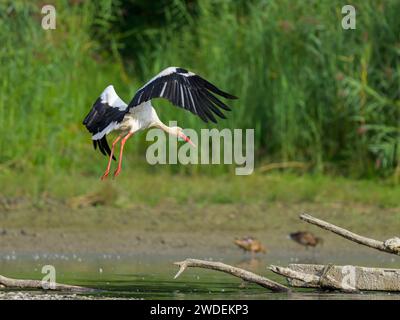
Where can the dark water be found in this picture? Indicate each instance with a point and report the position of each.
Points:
(151, 277)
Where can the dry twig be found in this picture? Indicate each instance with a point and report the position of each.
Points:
(237, 272)
(6, 282)
(390, 246)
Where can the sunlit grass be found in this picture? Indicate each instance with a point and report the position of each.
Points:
(136, 187)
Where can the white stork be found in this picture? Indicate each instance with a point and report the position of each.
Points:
(181, 87)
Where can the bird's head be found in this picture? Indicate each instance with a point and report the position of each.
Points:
(178, 131)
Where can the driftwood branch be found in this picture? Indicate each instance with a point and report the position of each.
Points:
(346, 278)
(390, 246)
(237, 272)
(324, 280)
(6, 282)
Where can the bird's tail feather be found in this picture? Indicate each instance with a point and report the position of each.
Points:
(103, 146)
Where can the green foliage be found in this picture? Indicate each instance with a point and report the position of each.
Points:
(39, 190)
(313, 91)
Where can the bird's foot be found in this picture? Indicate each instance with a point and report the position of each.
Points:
(105, 175)
(117, 172)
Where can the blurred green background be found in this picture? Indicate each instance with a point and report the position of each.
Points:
(314, 93)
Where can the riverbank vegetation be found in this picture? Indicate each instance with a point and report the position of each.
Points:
(313, 92)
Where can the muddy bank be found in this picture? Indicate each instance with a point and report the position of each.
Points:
(169, 228)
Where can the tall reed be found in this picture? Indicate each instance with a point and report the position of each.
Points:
(312, 91)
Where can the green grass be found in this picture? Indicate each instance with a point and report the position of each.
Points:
(312, 91)
(136, 187)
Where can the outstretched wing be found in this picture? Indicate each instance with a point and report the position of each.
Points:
(105, 116)
(186, 90)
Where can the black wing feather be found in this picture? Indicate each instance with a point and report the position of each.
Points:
(218, 102)
(101, 148)
(101, 115)
(213, 108)
(199, 108)
(185, 90)
(99, 118)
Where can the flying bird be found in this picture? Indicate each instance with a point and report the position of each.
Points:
(305, 238)
(181, 87)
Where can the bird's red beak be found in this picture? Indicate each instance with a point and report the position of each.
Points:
(186, 138)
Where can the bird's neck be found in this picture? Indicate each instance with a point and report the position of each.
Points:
(157, 123)
(164, 127)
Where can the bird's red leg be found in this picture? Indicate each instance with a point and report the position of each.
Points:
(117, 172)
(110, 159)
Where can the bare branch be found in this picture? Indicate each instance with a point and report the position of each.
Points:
(37, 284)
(389, 246)
(237, 272)
(324, 281)
(293, 274)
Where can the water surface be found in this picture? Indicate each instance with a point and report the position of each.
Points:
(151, 277)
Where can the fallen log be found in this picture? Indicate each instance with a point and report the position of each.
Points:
(237, 272)
(391, 245)
(322, 280)
(345, 278)
(6, 282)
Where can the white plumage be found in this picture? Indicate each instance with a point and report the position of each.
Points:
(181, 87)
